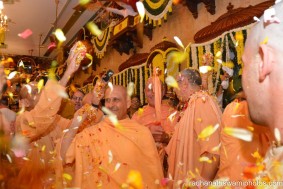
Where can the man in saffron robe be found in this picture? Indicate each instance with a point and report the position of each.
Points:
(156, 116)
(105, 153)
(237, 154)
(190, 154)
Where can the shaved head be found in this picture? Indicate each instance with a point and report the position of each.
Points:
(263, 66)
(117, 101)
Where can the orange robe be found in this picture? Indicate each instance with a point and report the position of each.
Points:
(43, 127)
(148, 118)
(184, 148)
(236, 154)
(132, 148)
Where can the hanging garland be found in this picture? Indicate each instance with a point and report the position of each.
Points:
(100, 43)
(155, 10)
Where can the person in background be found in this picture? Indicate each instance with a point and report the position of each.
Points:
(70, 106)
(135, 105)
(235, 154)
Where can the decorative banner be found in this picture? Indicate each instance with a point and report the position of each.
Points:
(138, 74)
(155, 10)
(231, 46)
(100, 43)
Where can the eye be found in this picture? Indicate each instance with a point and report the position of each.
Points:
(107, 100)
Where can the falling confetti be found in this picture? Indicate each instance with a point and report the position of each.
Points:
(205, 69)
(90, 58)
(141, 10)
(264, 41)
(216, 148)
(110, 156)
(67, 176)
(218, 54)
(140, 111)
(21, 64)
(25, 34)
(205, 159)
(207, 132)
(219, 61)
(135, 179)
(93, 28)
(12, 75)
(63, 94)
(43, 148)
(28, 88)
(130, 88)
(9, 158)
(110, 85)
(172, 116)
(66, 130)
(79, 118)
(22, 110)
(25, 158)
(117, 166)
(238, 115)
(84, 2)
(171, 82)
(60, 35)
(239, 133)
(176, 57)
(256, 19)
(40, 85)
(277, 135)
(179, 42)
(277, 1)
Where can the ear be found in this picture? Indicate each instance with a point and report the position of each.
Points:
(266, 62)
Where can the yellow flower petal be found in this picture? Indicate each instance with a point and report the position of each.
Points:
(135, 179)
(207, 132)
(67, 176)
(60, 35)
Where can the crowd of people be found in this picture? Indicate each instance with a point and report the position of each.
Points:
(121, 144)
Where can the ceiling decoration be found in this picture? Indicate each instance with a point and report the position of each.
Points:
(234, 18)
(193, 6)
(155, 10)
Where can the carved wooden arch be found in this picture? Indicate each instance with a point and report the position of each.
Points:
(163, 64)
(234, 18)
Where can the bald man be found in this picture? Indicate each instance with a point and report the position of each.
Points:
(105, 153)
(263, 80)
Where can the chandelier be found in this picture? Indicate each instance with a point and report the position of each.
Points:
(3, 18)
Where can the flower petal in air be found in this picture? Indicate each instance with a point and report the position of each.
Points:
(171, 82)
(239, 133)
(207, 132)
(141, 10)
(130, 88)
